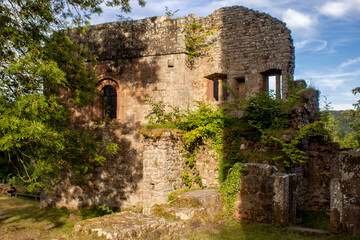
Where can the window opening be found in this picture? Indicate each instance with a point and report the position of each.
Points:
(272, 85)
(109, 102)
(272, 82)
(240, 88)
(224, 90)
(216, 89)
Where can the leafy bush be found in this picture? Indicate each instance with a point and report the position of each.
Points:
(97, 211)
(264, 113)
(263, 122)
(231, 186)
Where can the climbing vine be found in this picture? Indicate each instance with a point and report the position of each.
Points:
(264, 121)
(195, 41)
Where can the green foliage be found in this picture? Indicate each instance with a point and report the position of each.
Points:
(39, 63)
(159, 116)
(97, 211)
(291, 153)
(338, 126)
(264, 113)
(344, 126)
(264, 122)
(169, 12)
(355, 116)
(187, 179)
(199, 125)
(195, 41)
(231, 187)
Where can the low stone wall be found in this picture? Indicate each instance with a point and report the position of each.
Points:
(139, 176)
(163, 165)
(266, 195)
(345, 193)
(314, 181)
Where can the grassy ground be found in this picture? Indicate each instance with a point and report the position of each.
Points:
(241, 231)
(22, 218)
(312, 219)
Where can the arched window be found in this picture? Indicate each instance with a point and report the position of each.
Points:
(109, 99)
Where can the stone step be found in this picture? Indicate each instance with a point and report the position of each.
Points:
(161, 221)
(180, 213)
(130, 225)
(208, 198)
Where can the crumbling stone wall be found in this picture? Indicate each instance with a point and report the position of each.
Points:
(163, 165)
(266, 195)
(314, 174)
(345, 193)
(314, 186)
(148, 58)
(117, 183)
(145, 170)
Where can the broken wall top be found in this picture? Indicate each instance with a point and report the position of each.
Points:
(247, 39)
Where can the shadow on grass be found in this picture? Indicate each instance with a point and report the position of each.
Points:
(17, 209)
(253, 231)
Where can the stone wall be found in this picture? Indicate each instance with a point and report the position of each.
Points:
(148, 58)
(163, 165)
(314, 174)
(266, 195)
(144, 171)
(345, 193)
(314, 186)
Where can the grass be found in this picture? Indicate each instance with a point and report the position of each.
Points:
(247, 231)
(22, 218)
(313, 219)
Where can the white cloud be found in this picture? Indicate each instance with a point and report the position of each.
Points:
(298, 20)
(335, 9)
(341, 106)
(333, 80)
(350, 62)
(313, 45)
(340, 9)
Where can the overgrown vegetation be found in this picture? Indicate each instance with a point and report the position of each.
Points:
(38, 62)
(230, 187)
(264, 124)
(344, 126)
(195, 41)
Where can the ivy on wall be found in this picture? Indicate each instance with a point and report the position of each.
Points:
(264, 121)
(196, 43)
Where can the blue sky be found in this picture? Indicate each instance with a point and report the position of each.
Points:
(326, 35)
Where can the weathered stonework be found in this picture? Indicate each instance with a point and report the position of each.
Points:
(345, 193)
(148, 58)
(266, 195)
(314, 190)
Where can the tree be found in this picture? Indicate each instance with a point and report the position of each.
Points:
(355, 116)
(37, 61)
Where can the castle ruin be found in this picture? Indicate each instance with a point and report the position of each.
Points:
(149, 58)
